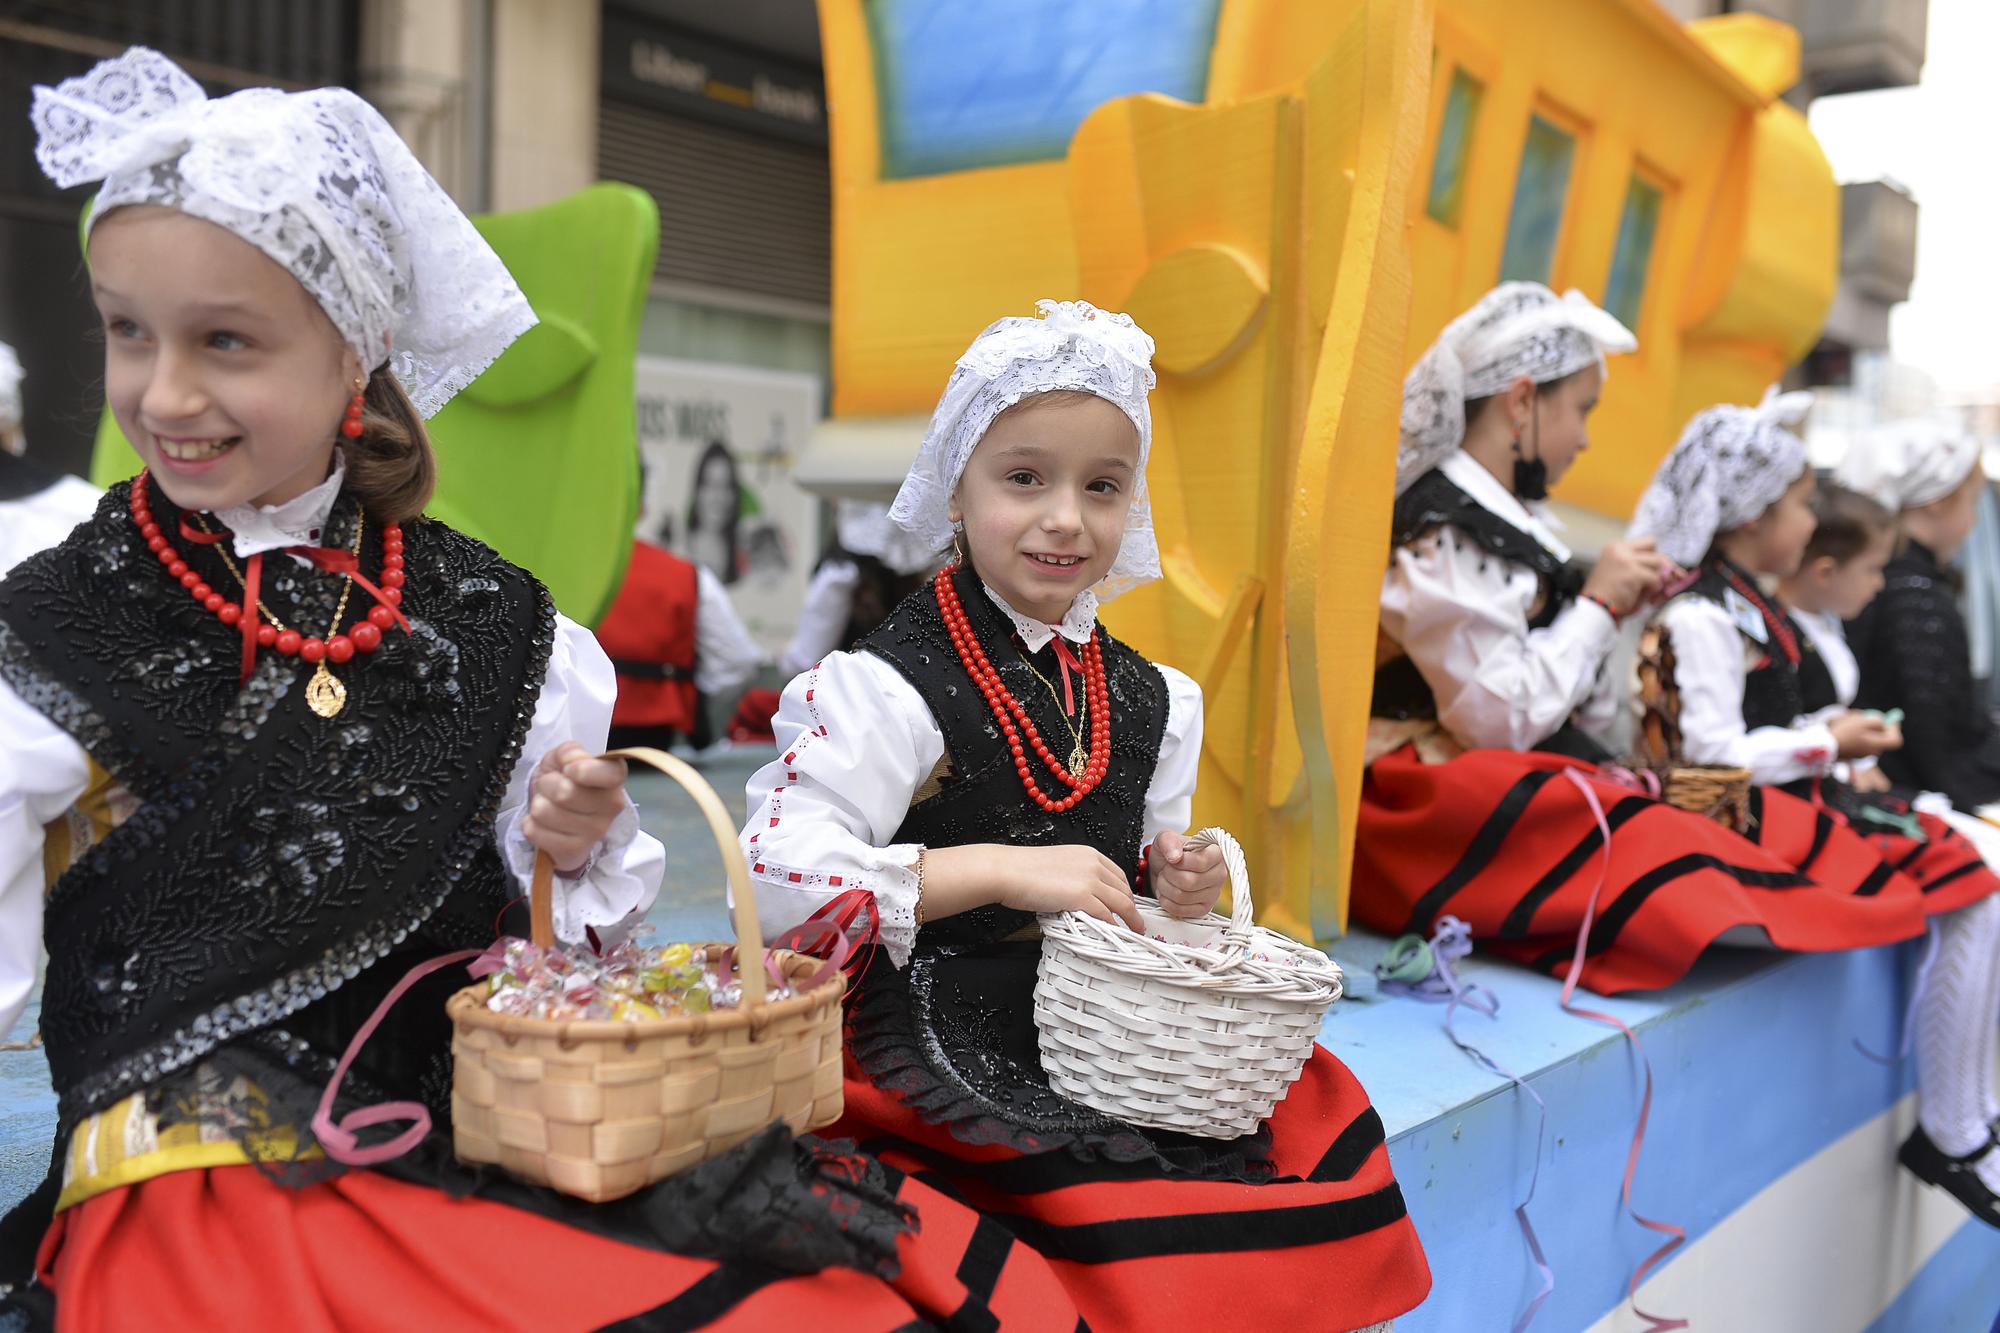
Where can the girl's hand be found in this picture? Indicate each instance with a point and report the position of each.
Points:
(1860, 735)
(572, 800)
(1062, 879)
(1187, 883)
(1627, 574)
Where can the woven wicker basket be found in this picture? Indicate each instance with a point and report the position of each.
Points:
(600, 1109)
(1201, 1031)
(1720, 792)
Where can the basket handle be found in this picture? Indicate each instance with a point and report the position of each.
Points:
(749, 934)
(1242, 912)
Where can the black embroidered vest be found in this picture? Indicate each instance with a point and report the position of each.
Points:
(283, 869)
(1435, 501)
(982, 799)
(1776, 692)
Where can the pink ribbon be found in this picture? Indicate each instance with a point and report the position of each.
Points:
(1676, 1236)
(339, 1139)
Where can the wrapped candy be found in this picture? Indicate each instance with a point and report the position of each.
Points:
(628, 982)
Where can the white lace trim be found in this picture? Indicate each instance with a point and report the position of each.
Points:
(1075, 626)
(299, 521)
(1518, 328)
(316, 180)
(1730, 465)
(1073, 345)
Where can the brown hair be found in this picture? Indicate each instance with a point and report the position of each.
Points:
(1849, 523)
(391, 469)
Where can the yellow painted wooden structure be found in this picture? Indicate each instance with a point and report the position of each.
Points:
(1277, 240)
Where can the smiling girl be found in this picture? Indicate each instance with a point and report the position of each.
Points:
(269, 738)
(990, 753)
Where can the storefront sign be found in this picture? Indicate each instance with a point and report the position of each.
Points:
(664, 67)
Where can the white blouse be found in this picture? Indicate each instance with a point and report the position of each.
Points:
(36, 522)
(1712, 659)
(725, 656)
(43, 772)
(855, 742)
(1461, 613)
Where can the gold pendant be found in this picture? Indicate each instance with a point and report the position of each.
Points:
(325, 694)
(1077, 759)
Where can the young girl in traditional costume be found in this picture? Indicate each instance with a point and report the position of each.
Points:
(1910, 652)
(289, 738)
(989, 753)
(1490, 676)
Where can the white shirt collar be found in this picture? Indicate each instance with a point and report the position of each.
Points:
(1076, 625)
(299, 521)
(1471, 476)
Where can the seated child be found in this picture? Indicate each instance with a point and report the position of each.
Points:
(1757, 692)
(1491, 654)
(904, 774)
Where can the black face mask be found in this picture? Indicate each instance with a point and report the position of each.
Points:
(1531, 480)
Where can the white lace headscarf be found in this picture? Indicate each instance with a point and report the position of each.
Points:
(1518, 328)
(10, 387)
(1729, 466)
(863, 528)
(1908, 464)
(316, 180)
(1073, 345)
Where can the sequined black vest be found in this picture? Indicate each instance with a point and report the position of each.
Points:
(981, 799)
(1776, 692)
(282, 869)
(1435, 501)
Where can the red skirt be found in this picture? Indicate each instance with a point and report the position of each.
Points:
(226, 1248)
(1944, 863)
(1504, 842)
(1326, 1244)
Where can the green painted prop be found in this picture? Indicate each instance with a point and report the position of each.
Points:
(538, 457)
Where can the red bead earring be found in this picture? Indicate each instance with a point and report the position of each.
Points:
(351, 427)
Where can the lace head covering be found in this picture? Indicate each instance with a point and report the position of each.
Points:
(1073, 345)
(1730, 465)
(863, 528)
(10, 387)
(1518, 328)
(1908, 464)
(317, 181)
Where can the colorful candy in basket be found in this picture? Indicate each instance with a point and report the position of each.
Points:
(598, 1075)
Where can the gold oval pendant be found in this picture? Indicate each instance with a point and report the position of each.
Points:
(325, 694)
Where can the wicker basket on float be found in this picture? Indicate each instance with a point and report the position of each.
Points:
(1197, 1026)
(598, 1109)
(1720, 792)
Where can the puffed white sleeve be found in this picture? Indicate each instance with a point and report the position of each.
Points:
(823, 616)
(1710, 662)
(855, 741)
(1170, 796)
(621, 877)
(1462, 616)
(42, 773)
(725, 656)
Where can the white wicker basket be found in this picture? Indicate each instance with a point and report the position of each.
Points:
(1197, 1026)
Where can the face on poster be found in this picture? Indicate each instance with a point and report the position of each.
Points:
(718, 443)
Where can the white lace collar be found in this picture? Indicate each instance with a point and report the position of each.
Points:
(1471, 476)
(299, 521)
(1077, 622)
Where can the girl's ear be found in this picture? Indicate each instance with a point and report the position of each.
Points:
(1520, 401)
(953, 510)
(1822, 567)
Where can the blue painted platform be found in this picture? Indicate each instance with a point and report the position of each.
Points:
(1772, 1137)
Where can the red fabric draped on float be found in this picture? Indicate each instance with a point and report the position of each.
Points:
(1491, 838)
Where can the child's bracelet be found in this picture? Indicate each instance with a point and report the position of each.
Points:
(920, 888)
(1609, 610)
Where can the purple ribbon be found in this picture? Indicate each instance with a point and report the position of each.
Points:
(1451, 941)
